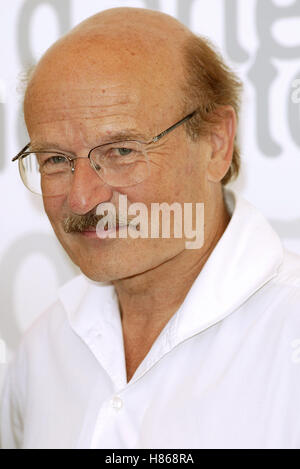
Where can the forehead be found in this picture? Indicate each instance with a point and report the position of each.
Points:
(97, 78)
(87, 116)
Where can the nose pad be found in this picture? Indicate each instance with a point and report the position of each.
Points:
(94, 165)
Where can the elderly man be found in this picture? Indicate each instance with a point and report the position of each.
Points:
(156, 345)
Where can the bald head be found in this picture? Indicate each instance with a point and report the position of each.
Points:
(131, 46)
(150, 23)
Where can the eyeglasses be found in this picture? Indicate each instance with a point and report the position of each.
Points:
(118, 164)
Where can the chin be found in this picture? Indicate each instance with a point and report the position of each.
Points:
(96, 276)
(111, 272)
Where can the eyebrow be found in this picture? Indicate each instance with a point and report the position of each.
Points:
(116, 137)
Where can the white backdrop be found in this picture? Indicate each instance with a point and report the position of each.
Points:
(259, 38)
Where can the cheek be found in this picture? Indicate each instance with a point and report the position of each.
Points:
(165, 184)
(175, 176)
(54, 208)
(189, 168)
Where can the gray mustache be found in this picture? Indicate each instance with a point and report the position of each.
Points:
(80, 223)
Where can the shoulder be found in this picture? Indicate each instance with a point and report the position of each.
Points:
(285, 286)
(289, 271)
(276, 306)
(51, 324)
(28, 364)
(272, 312)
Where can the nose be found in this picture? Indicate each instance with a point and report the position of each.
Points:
(87, 190)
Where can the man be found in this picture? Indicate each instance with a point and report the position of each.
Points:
(156, 345)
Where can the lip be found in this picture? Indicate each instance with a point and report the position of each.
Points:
(89, 233)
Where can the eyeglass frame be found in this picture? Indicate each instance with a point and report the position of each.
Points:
(24, 153)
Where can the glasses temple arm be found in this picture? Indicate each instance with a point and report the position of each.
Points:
(20, 152)
(162, 134)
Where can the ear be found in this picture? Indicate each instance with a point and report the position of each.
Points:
(222, 144)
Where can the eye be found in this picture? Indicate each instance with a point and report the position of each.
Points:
(52, 163)
(55, 160)
(124, 151)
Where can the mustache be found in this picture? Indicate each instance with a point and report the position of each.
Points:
(80, 223)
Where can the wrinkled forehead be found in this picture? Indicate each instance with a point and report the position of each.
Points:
(96, 75)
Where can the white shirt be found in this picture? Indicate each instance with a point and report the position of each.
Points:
(223, 373)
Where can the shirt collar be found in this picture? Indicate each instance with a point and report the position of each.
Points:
(248, 255)
(93, 313)
(88, 304)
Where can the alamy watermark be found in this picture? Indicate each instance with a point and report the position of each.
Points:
(137, 221)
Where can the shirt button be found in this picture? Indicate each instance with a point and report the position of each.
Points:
(116, 403)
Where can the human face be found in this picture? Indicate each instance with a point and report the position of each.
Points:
(90, 102)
